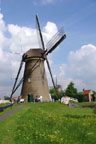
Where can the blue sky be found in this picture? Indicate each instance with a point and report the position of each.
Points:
(78, 17)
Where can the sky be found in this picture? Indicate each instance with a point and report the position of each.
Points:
(73, 60)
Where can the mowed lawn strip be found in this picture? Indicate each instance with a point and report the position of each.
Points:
(3, 117)
(49, 123)
(8, 109)
(8, 126)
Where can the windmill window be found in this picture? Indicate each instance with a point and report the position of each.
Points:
(29, 80)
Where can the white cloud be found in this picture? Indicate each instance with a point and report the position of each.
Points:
(81, 68)
(49, 30)
(62, 76)
(35, 2)
(2, 23)
(82, 64)
(46, 1)
(22, 37)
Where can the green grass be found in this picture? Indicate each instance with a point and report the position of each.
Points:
(84, 103)
(49, 123)
(3, 104)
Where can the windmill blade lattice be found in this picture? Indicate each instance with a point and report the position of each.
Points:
(55, 41)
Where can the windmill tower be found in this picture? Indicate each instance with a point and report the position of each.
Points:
(34, 79)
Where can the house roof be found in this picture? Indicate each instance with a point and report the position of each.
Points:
(85, 92)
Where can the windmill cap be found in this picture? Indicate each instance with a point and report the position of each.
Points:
(33, 53)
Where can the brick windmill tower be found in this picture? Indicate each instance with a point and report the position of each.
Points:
(34, 80)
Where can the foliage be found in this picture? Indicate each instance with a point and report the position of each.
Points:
(56, 93)
(60, 94)
(94, 96)
(71, 91)
(6, 98)
(80, 97)
(49, 123)
(52, 91)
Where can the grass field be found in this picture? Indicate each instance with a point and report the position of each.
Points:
(49, 123)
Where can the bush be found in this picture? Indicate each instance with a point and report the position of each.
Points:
(80, 97)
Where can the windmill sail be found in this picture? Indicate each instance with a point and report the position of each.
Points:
(16, 79)
(55, 41)
(40, 34)
(43, 46)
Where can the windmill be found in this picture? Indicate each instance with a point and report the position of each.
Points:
(34, 79)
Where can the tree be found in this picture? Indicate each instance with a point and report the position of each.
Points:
(52, 91)
(71, 91)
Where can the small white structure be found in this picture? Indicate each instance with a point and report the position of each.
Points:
(21, 100)
(4, 101)
(50, 97)
(66, 99)
(74, 99)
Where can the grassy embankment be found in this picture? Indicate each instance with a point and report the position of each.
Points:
(3, 104)
(49, 123)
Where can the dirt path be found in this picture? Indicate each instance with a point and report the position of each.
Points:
(74, 105)
(10, 113)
